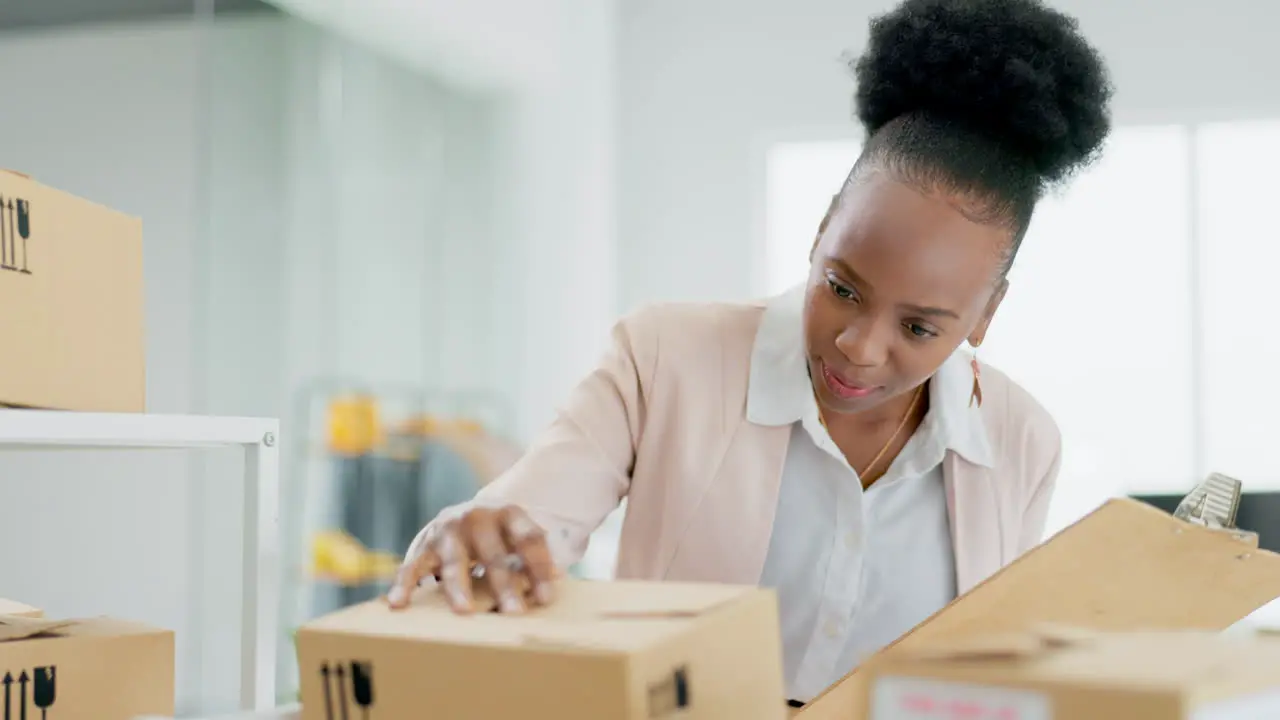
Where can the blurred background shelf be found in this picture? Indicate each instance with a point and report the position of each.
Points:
(372, 464)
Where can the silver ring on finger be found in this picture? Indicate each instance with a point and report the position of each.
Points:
(510, 562)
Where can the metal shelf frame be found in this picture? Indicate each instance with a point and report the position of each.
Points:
(259, 437)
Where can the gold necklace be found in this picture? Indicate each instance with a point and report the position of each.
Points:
(915, 398)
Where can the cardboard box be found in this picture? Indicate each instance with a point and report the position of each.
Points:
(615, 650)
(1126, 566)
(1042, 676)
(97, 669)
(13, 607)
(71, 289)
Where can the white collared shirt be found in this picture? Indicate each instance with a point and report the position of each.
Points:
(854, 569)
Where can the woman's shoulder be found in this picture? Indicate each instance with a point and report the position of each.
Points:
(1016, 422)
(682, 317)
(690, 352)
(685, 328)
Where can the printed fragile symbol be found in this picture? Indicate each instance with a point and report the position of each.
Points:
(338, 698)
(15, 223)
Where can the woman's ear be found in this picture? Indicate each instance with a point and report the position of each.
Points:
(993, 303)
(822, 226)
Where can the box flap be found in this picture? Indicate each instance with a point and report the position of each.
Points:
(1125, 566)
(1035, 642)
(14, 627)
(636, 600)
(589, 600)
(595, 616)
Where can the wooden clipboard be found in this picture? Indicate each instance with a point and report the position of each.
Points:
(1125, 566)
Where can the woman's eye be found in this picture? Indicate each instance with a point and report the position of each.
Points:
(841, 291)
(920, 330)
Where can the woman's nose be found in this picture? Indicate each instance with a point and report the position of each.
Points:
(864, 344)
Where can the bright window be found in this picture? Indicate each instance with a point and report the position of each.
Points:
(1097, 322)
(1240, 254)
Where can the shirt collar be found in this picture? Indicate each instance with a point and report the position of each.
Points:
(779, 391)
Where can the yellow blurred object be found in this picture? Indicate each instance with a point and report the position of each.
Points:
(420, 426)
(431, 426)
(354, 428)
(383, 565)
(338, 556)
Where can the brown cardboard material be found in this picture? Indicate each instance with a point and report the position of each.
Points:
(97, 669)
(13, 607)
(617, 650)
(1170, 675)
(71, 289)
(1126, 566)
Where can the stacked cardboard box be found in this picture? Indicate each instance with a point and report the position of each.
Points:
(94, 669)
(71, 289)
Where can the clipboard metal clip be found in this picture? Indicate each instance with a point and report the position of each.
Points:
(1213, 504)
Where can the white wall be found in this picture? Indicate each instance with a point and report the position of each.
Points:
(704, 89)
(562, 136)
(551, 65)
(495, 44)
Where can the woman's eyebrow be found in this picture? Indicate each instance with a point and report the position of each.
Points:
(931, 311)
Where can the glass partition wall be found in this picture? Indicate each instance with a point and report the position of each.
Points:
(348, 274)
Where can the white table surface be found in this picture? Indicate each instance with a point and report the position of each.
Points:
(287, 712)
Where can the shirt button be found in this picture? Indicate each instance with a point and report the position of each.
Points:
(832, 629)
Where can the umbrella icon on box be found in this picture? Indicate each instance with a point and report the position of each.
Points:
(15, 222)
(338, 697)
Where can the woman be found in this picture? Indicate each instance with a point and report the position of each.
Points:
(834, 443)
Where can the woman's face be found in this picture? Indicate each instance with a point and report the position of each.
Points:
(899, 278)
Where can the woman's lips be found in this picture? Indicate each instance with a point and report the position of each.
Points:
(844, 389)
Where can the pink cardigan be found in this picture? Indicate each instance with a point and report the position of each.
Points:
(662, 423)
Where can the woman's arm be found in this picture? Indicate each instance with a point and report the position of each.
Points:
(1037, 512)
(579, 469)
(545, 507)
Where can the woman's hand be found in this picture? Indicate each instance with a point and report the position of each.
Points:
(509, 546)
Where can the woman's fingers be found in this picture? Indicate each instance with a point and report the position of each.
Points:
(506, 544)
(528, 541)
(411, 574)
(454, 550)
(489, 543)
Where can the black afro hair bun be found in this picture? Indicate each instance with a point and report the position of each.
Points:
(1013, 71)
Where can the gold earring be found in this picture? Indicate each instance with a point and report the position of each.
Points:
(976, 395)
